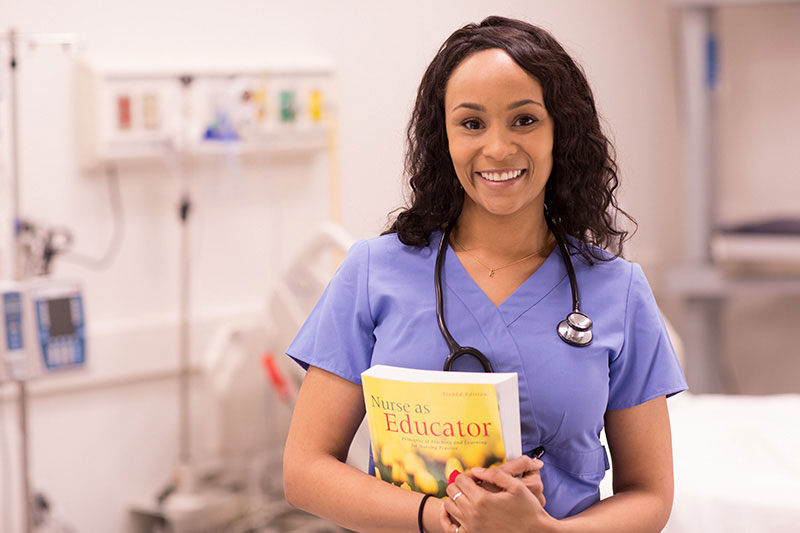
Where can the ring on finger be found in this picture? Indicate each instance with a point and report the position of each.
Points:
(454, 501)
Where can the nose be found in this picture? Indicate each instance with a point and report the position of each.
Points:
(499, 144)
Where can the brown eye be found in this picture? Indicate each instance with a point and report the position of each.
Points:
(471, 124)
(526, 120)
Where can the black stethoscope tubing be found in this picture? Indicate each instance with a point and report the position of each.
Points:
(575, 329)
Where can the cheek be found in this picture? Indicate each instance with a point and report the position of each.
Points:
(543, 158)
(459, 156)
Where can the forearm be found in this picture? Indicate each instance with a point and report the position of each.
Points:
(633, 510)
(342, 494)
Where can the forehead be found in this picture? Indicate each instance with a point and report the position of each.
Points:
(490, 75)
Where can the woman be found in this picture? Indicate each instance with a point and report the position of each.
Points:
(506, 153)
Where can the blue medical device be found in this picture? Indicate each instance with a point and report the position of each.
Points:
(14, 363)
(42, 328)
(60, 326)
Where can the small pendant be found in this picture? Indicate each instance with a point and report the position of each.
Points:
(491, 272)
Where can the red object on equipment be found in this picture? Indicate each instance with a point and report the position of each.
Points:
(124, 112)
(276, 377)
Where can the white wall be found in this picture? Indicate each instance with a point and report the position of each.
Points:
(247, 223)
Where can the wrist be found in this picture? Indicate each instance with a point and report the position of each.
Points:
(430, 516)
(554, 525)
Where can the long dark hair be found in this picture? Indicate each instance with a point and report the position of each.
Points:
(579, 195)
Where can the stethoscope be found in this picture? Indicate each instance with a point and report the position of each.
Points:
(575, 330)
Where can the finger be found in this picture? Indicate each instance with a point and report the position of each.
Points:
(456, 496)
(536, 487)
(445, 520)
(478, 482)
(454, 514)
(468, 486)
(495, 476)
(534, 484)
(521, 466)
(453, 491)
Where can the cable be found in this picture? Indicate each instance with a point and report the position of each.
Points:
(115, 197)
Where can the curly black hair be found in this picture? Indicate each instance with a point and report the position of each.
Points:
(580, 192)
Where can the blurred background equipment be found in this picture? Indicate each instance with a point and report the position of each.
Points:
(43, 320)
(170, 117)
(724, 262)
(249, 397)
(131, 113)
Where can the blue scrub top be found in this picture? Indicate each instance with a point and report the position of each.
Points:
(380, 308)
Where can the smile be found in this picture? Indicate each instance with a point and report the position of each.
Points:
(502, 175)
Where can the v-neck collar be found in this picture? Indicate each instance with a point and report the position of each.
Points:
(526, 296)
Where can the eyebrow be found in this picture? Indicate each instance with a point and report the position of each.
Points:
(478, 107)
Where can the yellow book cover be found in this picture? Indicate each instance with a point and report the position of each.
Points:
(423, 424)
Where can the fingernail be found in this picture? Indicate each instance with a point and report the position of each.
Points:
(453, 475)
(478, 470)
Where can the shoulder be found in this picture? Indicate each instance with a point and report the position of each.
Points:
(614, 270)
(388, 250)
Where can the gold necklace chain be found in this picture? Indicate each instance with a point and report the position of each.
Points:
(491, 270)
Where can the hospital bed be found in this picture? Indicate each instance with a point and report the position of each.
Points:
(737, 467)
(736, 462)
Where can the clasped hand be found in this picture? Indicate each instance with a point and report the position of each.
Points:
(507, 498)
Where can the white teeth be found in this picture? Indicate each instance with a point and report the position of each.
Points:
(501, 176)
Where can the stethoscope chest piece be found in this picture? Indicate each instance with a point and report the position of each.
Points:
(576, 329)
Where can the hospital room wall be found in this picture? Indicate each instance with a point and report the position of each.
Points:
(758, 133)
(247, 223)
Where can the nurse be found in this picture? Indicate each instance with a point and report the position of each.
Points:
(505, 149)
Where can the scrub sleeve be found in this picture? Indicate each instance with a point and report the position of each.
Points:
(646, 366)
(337, 336)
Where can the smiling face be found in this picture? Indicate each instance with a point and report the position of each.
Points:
(500, 135)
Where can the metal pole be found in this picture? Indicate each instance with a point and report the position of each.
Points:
(27, 501)
(702, 320)
(184, 282)
(698, 139)
(16, 261)
(185, 303)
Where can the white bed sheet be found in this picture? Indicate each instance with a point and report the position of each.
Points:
(737, 464)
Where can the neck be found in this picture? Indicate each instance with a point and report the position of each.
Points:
(507, 237)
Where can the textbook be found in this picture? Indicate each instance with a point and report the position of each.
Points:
(423, 424)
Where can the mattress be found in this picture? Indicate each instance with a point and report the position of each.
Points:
(737, 464)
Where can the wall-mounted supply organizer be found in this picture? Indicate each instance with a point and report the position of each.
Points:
(137, 114)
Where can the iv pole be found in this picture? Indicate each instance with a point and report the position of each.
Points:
(22, 392)
(184, 210)
(13, 37)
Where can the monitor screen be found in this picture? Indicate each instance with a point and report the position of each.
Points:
(60, 317)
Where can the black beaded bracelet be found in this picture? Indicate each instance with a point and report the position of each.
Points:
(419, 513)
